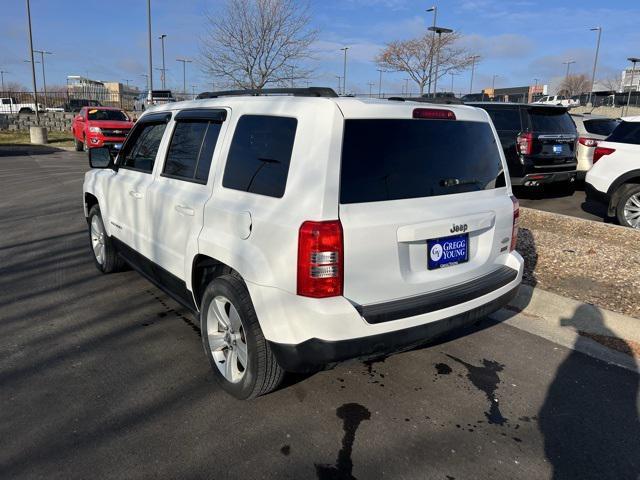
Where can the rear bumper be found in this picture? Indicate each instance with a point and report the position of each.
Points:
(546, 177)
(597, 196)
(314, 352)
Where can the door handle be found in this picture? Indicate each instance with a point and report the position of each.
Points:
(135, 194)
(185, 210)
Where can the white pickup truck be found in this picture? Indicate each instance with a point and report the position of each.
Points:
(560, 100)
(9, 105)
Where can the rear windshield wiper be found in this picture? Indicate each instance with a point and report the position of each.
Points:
(454, 182)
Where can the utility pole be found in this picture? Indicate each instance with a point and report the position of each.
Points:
(184, 73)
(433, 9)
(380, 84)
(150, 77)
(344, 71)
(439, 31)
(44, 79)
(164, 75)
(633, 60)
(595, 62)
(473, 64)
(371, 84)
(33, 64)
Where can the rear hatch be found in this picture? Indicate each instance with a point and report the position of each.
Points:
(554, 139)
(408, 185)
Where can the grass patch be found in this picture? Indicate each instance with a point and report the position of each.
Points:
(56, 139)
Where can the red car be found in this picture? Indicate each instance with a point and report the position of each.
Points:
(100, 126)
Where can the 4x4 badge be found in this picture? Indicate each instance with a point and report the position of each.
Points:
(459, 228)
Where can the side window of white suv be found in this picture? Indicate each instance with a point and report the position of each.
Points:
(258, 160)
(139, 152)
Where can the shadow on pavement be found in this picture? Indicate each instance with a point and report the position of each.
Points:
(23, 150)
(580, 416)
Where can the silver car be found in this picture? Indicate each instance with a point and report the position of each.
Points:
(591, 128)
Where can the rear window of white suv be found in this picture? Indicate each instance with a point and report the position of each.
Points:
(393, 159)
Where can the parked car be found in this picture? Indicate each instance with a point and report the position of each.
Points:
(10, 105)
(559, 100)
(75, 104)
(99, 127)
(614, 178)
(591, 129)
(538, 142)
(152, 97)
(304, 231)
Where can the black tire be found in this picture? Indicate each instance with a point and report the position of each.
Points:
(627, 192)
(27, 111)
(112, 261)
(263, 373)
(78, 145)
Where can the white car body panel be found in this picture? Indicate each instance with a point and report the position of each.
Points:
(611, 167)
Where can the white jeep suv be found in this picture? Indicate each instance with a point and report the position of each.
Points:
(304, 229)
(614, 178)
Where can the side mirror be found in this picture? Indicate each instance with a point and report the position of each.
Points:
(100, 157)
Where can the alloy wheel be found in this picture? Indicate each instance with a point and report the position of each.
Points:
(632, 210)
(227, 339)
(97, 239)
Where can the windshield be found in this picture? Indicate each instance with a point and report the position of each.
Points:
(114, 115)
(400, 159)
(551, 120)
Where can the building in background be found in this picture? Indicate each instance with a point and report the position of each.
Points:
(524, 94)
(112, 94)
(627, 78)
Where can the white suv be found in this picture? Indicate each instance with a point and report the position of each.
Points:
(307, 229)
(614, 178)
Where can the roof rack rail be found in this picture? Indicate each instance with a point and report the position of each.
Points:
(325, 92)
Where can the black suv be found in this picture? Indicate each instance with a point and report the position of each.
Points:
(539, 141)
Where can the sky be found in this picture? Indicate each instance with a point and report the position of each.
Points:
(518, 40)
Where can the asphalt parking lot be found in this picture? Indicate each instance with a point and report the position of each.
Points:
(574, 204)
(104, 377)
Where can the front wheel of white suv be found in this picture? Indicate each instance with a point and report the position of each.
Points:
(105, 255)
(240, 357)
(628, 208)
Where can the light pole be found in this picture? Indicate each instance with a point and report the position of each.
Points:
(633, 60)
(452, 75)
(433, 9)
(493, 86)
(406, 86)
(193, 92)
(439, 31)
(473, 64)
(595, 62)
(371, 84)
(344, 71)
(44, 79)
(164, 75)
(380, 83)
(146, 77)
(150, 74)
(339, 83)
(127, 80)
(33, 63)
(184, 73)
(2, 72)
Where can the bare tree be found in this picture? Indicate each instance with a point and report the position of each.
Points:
(574, 85)
(253, 43)
(611, 83)
(415, 56)
(14, 87)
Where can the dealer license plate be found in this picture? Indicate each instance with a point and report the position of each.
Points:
(557, 149)
(448, 251)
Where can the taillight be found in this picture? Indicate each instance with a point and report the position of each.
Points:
(434, 114)
(525, 143)
(600, 152)
(516, 221)
(588, 142)
(320, 259)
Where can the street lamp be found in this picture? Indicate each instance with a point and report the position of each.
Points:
(371, 84)
(44, 79)
(473, 64)
(150, 74)
(184, 73)
(146, 76)
(452, 75)
(406, 86)
(33, 63)
(595, 61)
(433, 9)
(633, 60)
(380, 83)
(193, 92)
(439, 31)
(164, 76)
(339, 83)
(493, 86)
(2, 72)
(344, 71)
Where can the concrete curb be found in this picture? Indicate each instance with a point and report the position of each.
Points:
(564, 321)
